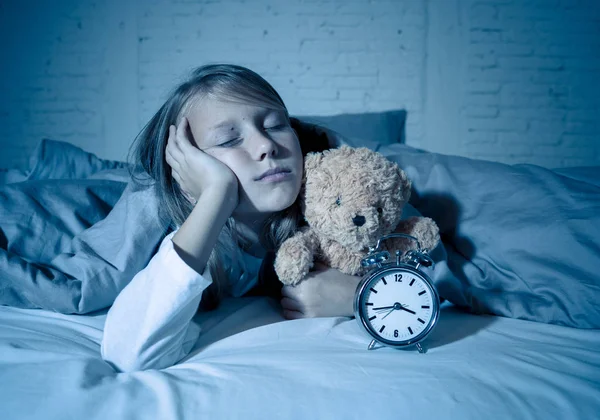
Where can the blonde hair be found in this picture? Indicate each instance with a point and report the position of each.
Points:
(229, 82)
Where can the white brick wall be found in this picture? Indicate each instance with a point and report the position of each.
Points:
(324, 57)
(507, 80)
(532, 76)
(62, 77)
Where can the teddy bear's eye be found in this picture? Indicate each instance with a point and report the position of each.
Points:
(338, 201)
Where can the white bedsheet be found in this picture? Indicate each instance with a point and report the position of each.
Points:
(250, 364)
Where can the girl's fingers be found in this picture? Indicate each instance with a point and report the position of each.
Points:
(171, 160)
(182, 140)
(176, 177)
(290, 304)
(174, 152)
(289, 292)
(174, 139)
(292, 314)
(173, 149)
(175, 159)
(172, 133)
(169, 156)
(185, 136)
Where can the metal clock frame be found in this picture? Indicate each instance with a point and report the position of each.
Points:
(414, 260)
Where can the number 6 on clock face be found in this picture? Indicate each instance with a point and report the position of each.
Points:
(397, 305)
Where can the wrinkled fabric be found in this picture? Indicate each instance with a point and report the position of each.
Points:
(519, 241)
(249, 363)
(74, 232)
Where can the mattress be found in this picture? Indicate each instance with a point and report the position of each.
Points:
(250, 363)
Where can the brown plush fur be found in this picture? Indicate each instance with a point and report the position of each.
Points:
(351, 197)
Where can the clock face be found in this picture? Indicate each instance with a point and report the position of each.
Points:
(398, 306)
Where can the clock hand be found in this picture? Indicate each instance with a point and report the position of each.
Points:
(393, 307)
(391, 310)
(383, 307)
(396, 305)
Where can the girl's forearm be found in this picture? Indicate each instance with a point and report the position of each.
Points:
(197, 236)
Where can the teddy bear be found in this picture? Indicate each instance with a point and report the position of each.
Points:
(350, 198)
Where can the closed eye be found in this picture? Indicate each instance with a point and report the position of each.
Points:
(230, 143)
(276, 127)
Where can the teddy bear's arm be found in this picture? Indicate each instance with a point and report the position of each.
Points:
(295, 257)
(422, 228)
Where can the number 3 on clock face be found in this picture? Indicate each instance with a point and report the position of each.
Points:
(398, 306)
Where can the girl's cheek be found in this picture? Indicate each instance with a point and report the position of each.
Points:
(217, 154)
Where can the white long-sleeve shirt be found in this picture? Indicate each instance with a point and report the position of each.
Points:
(149, 324)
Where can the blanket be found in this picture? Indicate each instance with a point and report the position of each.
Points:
(74, 230)
(518, 241)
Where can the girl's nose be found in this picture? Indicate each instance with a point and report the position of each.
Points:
(265, 147)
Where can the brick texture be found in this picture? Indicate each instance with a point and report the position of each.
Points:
(323, 57)
(532, 82)
(506, 80)
(53, 63)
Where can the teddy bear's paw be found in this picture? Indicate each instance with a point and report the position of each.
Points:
(293, 262)
(427, 232)
(290, 274)
(422, 228)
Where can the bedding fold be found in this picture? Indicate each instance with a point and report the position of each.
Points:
(73, 235)
(520, 241)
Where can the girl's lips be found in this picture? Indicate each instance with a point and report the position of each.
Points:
(276, 177)
(273, 171)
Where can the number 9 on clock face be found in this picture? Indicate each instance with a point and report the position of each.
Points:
(398, 306)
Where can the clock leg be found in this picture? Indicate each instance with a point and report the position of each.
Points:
(372, 345)
(421, 349)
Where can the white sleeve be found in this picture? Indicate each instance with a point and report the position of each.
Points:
(149, 324)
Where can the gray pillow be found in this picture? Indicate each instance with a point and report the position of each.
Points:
(367, 129)
(519, 241)
(53, 159)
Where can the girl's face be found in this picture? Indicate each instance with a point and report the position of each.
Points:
(251, 140)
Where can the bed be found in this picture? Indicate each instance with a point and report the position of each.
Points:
(518, 335)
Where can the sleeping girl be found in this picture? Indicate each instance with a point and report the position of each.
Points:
(226, 163)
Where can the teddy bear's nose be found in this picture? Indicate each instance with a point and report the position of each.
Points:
(359, 220)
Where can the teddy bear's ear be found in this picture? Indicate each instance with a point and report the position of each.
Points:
(312, 161)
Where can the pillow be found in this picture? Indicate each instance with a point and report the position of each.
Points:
(53, 159)
(366, 129)
(519, 241)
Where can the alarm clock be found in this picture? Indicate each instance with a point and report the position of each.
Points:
(396, 303)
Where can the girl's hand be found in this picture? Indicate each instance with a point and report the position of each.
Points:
(324, 292)
(194, 170)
